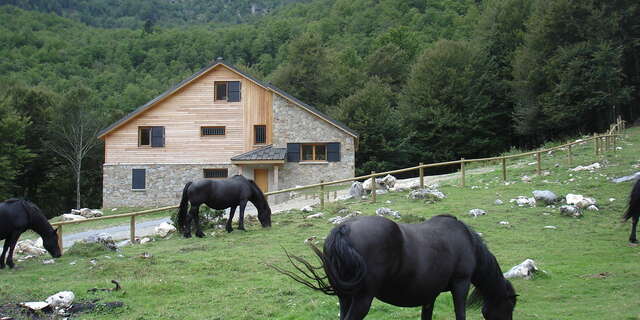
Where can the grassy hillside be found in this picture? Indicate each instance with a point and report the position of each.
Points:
(224, 275)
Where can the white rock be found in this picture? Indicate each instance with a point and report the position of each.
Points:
(307, 209)
(145, 240)
(317, 215)
(523, 201)
(477, 212)
(72, 217)
(585, 203)
(29, 247)
(388, 202)
(356, 189)
(498, 202)
(612, 199)
(164, 229)
(593, 208)
(525, 179)
(62, 299)
(590, 167)
(573, 198)
(123, 243)
(546, 196)
(389, 181)
(572, 211)
(504, 223)
(387, 212)
(550, 227)
(35, 306)
(427, 194)
(50, 261)
(524, 270)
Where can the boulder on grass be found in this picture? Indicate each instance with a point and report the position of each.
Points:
(545, 196)
(387, 212)
(571, 211)
(356, 190)
(72, 217)
(477, 212)
(165, 229)
(525, 270)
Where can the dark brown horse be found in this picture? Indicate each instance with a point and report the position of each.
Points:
(408, 265)
(221, 194)
(633, 211)
(16, 216)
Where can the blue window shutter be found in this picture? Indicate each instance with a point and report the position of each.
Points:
(333, 151)
(234, 91)
(293, 152)
(157, 136)
(138, 179)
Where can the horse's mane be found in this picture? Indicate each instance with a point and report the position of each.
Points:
(256, 191)
(487, 278)
(36, 218)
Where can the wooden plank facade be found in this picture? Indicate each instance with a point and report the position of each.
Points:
(184, 112)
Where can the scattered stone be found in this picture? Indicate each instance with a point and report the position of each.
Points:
(612, 199)
(550, 227)
(123, 243)
(504, 223)
(146, 255)
(73, 263)
(387, 212)
(592, 208)
(356, 190)
(590, 167)
(524, 270)
(477, 212)
(104, 239)
(634, 176)
(526, 179)
(427, 194)
(35, 306)
(307, 209)
(49, 261)
(114, 209)
(366, 185)
(571, 211)
(72, 217)
(29, 247)
(389, 181)
(61, 300)
(545, 196)
(164, 229)
(388, 202)
(381, 191)
(341, 219)
(344, 211)
(316, 215)
(145, 240)
(498, 202)
(87, 213)
(523, 201)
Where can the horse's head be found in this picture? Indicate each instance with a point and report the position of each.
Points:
(50, 242)
(501, 309)
(264, 215)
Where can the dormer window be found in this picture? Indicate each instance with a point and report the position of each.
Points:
(227, 91)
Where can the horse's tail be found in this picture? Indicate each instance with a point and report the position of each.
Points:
(182, 211)
(344, 267)
(633, 210)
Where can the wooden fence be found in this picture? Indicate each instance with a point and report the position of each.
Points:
(601, 144)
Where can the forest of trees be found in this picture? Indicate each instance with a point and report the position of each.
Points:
(420, 81)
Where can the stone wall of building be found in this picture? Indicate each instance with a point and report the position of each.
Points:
(163, 183)
(292, 124)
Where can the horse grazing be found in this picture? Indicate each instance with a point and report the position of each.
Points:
(633, 211)
(16, 216)
(407, 265)
(221, 194)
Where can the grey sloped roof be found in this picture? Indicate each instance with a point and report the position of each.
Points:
(212, 65)
(264, 153)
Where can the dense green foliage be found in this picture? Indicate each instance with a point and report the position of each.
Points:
(419, 80)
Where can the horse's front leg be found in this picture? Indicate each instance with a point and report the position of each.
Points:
(634, 225)
(345, 304)
(232, 212)
(459, 291)
(243, 205)
(427, 311)
(196, 220)
(188, 219)
(12, 240)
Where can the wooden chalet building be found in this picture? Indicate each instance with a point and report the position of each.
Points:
(212, 125)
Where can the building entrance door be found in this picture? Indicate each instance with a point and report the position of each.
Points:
(261, 177)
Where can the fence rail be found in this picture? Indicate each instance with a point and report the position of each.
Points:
(602, 143)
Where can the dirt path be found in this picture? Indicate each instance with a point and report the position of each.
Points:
(147, 228)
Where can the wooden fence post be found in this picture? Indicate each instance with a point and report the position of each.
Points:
(373, 187)
(421, 170)
(615, 143)
(570, 156)
(132, 228)
(322, 195)
(595, 143)
(606, 141)
(538, 165)
(462, 172)
(504, 169)
(60, 242)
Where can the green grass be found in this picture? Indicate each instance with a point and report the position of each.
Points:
(224, 276)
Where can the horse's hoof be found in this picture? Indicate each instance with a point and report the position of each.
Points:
(187, 235)
(633, 244)
(242, 228)
(11, 265)
(200, 234)
(229, 230)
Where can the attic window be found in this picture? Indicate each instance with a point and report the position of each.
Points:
(215, 173)
(212, 131)
(228, 91)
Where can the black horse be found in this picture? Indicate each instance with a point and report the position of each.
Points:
(633, 211)
(16, 216)
(407, 265)
(222, 194)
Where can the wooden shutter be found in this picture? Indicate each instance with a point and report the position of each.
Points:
(138, 179)
(157, 136)
(293, 152)
(333, 151)
(234, 91)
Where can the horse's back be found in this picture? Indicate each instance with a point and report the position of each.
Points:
(219, 194)
(12, 217)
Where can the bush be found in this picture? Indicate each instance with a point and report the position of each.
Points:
(209, 218)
